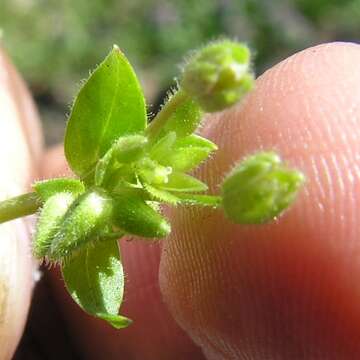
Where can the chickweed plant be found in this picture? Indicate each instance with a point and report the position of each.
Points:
(126, 168)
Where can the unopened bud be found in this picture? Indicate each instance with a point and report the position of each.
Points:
(134, 216)
(129, 148)
(259, 189)
(218, 75)
(87, 216)
(49, 220)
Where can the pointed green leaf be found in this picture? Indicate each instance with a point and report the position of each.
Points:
(47, 188)
(183, 183)
(95, 279)
(109, 105)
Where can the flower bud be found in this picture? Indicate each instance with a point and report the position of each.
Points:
(218, 75)
(50, 218)
(259, 189)
(129, 148)
(134, 216)
(87, 216)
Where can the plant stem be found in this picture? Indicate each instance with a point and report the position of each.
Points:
(19, 206)
(163, 115)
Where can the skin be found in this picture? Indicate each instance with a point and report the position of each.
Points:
(285, 290)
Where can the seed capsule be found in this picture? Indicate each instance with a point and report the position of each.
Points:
(87, 215)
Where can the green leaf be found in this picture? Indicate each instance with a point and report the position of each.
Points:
(95, 279)
(187, 153)
(109, 105)
(200, 200)
(183, 183)
(47, 188)
(133, 215)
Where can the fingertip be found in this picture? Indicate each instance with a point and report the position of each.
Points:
(286, 288)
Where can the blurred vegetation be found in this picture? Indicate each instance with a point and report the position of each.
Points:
(55, 43)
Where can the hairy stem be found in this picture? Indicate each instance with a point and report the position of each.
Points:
(19, 206)
(163, 115)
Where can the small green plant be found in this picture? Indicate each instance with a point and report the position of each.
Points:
(127, 168)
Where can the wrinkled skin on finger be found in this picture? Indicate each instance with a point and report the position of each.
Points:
(20, 148)
(289, 289)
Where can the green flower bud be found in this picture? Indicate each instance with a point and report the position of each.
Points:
(259, 189)
(86, 217)
(130, 148)
(49, 220)
(134, 216)
(218, 75)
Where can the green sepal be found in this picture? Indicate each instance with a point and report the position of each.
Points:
(200, 200)
(95, 279)
(49, 221)
(161, 195)
(218, 75)
(104, 167)
(47, 188)
(160, 150)
(181, 182)
(134, 216)
(259, 189)
(109, 105)
(187, 153)
(86, 217)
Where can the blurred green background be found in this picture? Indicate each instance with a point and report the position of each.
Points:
(54, 43)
